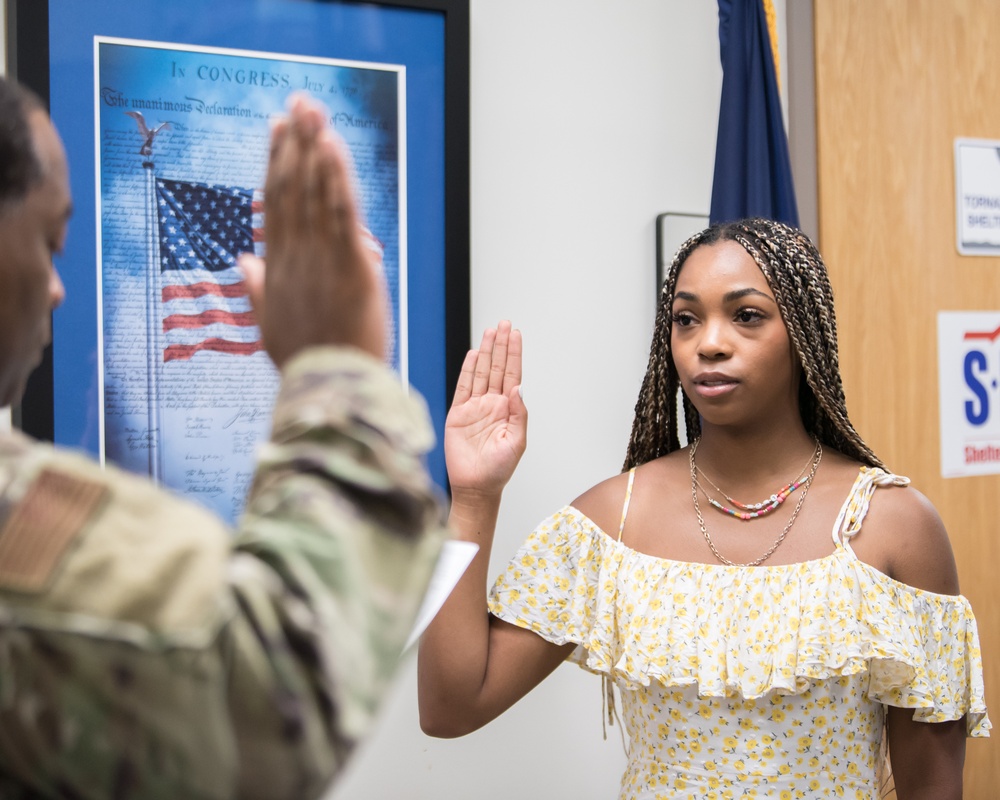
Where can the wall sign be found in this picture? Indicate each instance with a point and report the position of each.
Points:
(969, 389)
(977, 196)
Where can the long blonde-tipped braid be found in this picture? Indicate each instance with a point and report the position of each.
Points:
(654, 430)
(805, 299)
(797, 276)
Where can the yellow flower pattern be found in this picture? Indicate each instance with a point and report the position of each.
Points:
(749, 681)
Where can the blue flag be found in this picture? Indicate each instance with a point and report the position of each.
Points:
(753, 173)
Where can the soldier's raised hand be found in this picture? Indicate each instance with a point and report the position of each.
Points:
(321, 284)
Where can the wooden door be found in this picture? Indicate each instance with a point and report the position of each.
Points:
(896, 83)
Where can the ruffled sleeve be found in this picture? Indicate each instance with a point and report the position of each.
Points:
(743, 631)
(560, 584)
(925, 653)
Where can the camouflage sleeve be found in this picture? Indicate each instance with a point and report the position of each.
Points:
(334, 552)
(146, 651)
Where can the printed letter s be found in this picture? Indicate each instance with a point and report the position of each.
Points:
(976, 360)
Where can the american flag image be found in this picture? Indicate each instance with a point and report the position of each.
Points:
(202, 229)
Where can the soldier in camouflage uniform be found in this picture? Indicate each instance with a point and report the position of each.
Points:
(145, 650)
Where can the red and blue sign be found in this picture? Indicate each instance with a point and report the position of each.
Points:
(969, 390)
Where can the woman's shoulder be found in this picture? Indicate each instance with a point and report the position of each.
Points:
(602, 503)
(905, 528)
(605, 502)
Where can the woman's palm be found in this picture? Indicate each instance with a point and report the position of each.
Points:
(486, 430)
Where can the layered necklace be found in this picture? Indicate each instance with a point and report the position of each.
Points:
(750, 511)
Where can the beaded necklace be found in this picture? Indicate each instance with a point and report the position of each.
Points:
(749, 511)
(817, 457)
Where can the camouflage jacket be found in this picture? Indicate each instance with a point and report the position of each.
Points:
(148, 652)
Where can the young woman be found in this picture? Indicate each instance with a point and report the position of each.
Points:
(773, 605)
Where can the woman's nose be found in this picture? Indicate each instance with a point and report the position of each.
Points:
(714, 340)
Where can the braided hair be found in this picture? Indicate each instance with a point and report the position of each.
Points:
(797, 275)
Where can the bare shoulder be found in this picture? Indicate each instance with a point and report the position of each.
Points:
(603, 503)
(912, 539)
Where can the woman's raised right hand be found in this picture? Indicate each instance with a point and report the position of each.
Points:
(485, 433)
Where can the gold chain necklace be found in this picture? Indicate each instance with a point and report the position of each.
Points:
(818, 456)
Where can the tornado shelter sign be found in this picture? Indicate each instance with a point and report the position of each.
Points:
(977, 196)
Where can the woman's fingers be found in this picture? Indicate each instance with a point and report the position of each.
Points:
(512, 368)
(498, 363)
(484, 361)
(463, 389)
(494, 368)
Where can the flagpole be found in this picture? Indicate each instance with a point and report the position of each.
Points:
(154, 353)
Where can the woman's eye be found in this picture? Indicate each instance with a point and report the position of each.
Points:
(681, 319)
(746, 315)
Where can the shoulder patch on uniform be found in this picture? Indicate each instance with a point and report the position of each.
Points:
(41, 527)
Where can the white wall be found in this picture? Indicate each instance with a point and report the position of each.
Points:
(589, 117)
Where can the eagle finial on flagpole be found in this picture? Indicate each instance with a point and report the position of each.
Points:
(154, 352)
(147, 134)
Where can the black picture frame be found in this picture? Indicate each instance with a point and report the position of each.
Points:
(672, 229)
(29, 24)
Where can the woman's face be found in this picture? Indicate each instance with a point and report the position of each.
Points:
(729, 343)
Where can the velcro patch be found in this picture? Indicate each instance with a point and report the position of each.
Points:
(42, 525)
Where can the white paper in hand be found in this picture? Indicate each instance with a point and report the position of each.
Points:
(454, 560)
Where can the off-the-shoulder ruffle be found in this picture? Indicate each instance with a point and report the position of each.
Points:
(572, 583)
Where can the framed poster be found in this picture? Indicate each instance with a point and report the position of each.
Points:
(156, 364)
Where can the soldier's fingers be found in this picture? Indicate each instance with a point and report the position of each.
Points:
(312, 182)
(338, 176)
(306, 116)
(253, 268)
(279, 130)
(280, 199)
(306, 120)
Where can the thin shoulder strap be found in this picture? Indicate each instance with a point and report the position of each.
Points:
(609, 715)
(852, 514)
(628, 497)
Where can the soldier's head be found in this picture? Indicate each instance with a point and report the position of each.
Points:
(35, 207)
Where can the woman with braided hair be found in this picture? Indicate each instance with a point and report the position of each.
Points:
(779, 612)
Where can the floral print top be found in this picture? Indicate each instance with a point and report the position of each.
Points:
(749, 681)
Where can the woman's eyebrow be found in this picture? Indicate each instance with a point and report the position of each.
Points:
(738, 294)
(729, 297)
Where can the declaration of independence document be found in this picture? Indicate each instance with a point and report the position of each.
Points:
(182, 140)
